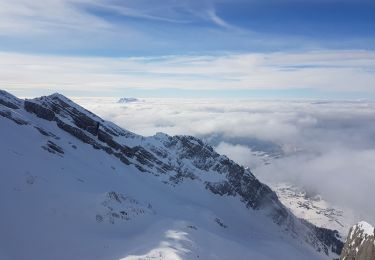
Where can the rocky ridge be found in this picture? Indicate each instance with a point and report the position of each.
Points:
(360, 243)
(173, 159)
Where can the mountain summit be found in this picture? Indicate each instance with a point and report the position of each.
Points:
(360, 243)
(75, 186)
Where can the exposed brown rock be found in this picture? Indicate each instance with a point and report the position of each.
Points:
(360, 244)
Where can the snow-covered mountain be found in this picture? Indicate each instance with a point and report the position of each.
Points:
(360, 243)
(74, 186)
(313, 208)
(126, 100)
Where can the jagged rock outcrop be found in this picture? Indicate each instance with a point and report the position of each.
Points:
(360, 243)
(327, 237)
(174, 159)
(9, 100)
(39, 110)
(9, 106)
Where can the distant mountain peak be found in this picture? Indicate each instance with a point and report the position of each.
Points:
(360, 243)
(126, 100)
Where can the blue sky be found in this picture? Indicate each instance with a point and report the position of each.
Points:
(66, 30)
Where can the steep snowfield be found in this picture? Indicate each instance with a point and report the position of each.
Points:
(314, 208)
(62, 199)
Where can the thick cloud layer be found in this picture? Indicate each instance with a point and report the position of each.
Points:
(326, 147)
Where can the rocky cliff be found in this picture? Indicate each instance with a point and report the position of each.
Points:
(172, 159)
(360, 243)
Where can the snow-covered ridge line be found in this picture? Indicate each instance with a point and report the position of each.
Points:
(366, 227)
(126, 100)
(360, 243)
(312, 208)
(174, 160)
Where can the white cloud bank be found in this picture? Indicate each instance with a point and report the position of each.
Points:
(319, 70)
(327, 147)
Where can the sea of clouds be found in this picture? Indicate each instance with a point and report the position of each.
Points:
(326, 147)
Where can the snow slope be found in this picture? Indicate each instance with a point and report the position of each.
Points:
(73, 186)
(314, 208)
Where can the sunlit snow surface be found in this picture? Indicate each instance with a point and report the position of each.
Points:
(314, 208)
(326, 147)
(366, 227)
(64, 206)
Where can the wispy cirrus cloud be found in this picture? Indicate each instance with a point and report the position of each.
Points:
(20, 16)
(107, 28)
(212, 15)
(144, 27)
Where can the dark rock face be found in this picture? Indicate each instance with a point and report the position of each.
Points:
(90, 129)
(8, 104)
(238, 181)
(8, 114)
(119, 207)
(329, 238)
(108, 139)
(81, 135)
(53, 148)
(64, 106)
(9, 100)
(46, 133)
(177, 158)
(48, 107)
(39, 110)
(221, 188)
(360, 244)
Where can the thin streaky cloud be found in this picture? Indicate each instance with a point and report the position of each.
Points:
(321, 71)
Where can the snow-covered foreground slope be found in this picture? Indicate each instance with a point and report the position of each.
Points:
(73, 186)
